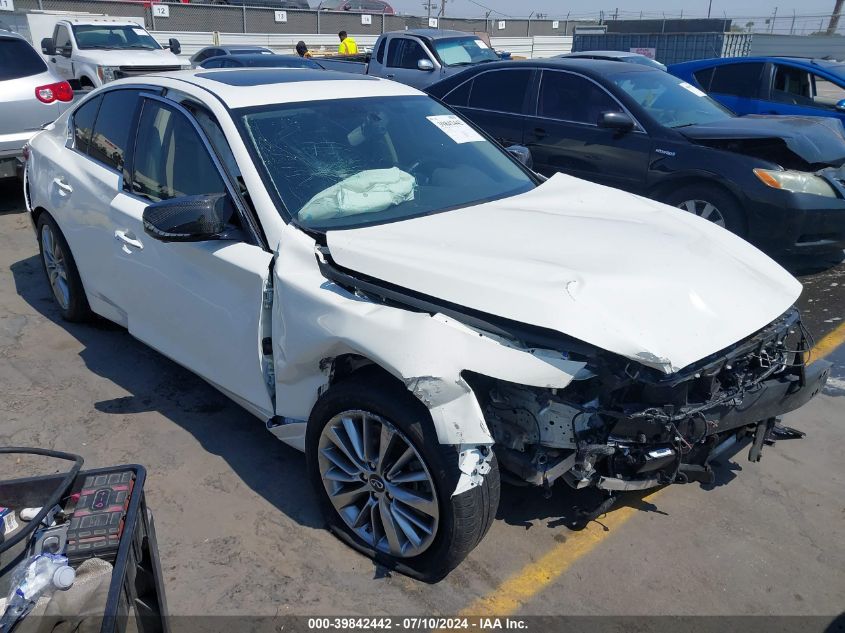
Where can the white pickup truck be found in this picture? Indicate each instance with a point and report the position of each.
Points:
(89, 52)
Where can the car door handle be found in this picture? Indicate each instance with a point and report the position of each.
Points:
(540, 132)
(64, 188)
(128, 238)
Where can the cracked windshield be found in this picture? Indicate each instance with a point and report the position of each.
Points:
(345, 163)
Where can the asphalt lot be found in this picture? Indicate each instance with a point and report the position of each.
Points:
(239, 532)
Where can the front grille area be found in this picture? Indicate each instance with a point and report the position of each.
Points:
(134, 71)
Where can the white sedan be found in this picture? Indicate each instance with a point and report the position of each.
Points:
(403, 300)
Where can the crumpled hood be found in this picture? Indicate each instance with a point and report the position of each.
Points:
(132, 57)
(624, 273)
(816, 140)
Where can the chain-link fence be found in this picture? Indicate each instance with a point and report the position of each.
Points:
(224, 18)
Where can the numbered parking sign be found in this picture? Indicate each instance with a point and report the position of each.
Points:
(366, 19)
(161, 11)
(432, 23)
(501, 25)
(555, 24)
(281, 16)
(7, 5)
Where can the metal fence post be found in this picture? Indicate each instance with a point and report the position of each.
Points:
(318, 19)
(40, 6)
(153, 17)
(243, 6)
(382, 21)
(528, 26)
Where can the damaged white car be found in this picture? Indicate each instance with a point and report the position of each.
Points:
(401, 299)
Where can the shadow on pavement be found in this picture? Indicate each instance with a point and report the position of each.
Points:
(160, 385)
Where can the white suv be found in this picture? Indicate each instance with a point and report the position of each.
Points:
(397, 296)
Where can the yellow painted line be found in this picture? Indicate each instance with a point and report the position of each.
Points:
(534, 577)
(519, 588)
(828, 343)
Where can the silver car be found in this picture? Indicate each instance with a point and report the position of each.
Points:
(31, 96)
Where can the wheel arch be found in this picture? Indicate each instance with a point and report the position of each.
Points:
(663, 188)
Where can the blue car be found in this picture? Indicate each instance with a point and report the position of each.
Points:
(770, 85)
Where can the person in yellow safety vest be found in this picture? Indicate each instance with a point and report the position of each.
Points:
(348, 46)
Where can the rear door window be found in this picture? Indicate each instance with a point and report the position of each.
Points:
(500, 90)
(83, 124)
(739, 80)
(112, 128)
(703, 78)
(18, 59)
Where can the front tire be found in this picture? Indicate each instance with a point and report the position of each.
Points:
(60, 268)
(385, 483)
(712, 203)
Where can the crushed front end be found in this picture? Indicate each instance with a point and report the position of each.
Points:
(623, 426)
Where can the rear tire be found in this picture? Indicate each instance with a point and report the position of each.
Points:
(712, 203)
(60, 269)
(457, 524)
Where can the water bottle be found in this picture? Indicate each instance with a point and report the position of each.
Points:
(37, 576)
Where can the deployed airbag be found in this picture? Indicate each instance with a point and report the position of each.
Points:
(368, 191)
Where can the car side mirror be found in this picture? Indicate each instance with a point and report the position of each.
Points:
(47, 46)
(616, 121)
(840, 105)
(190, 219)
(425, 64)
(522, 154)
(174, 46)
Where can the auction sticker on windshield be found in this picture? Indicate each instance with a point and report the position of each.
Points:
(693, 89)
(455, 129)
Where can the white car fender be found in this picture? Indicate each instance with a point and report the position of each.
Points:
(315, 320)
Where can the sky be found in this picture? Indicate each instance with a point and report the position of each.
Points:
(629, 8)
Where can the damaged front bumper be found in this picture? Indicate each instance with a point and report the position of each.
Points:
(623, 427)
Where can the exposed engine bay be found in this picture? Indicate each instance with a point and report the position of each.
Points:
(622, 426)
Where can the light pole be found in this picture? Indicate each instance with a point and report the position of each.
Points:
(834, 18)
(709, 6)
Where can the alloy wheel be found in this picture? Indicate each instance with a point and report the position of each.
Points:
(54, 262)
(704, 209)
(378, 483)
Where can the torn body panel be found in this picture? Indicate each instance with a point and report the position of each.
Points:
(315, 320)
(629, 428)
(795, 142)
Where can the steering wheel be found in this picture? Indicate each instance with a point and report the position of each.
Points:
(422, 169)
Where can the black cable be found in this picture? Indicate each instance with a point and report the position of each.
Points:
(54, 498)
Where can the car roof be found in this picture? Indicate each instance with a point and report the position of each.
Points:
(435, 34)
(827, 64)
(248, 87)
(11, 35)
(249, 56)
(592, 67)
(241, 47)
(101, 21)
(603, 53)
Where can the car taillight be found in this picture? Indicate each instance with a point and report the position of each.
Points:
(60, 91)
